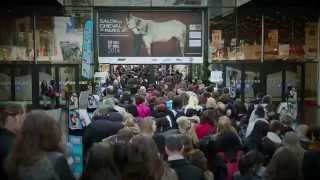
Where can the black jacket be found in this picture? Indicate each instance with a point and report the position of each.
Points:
(311, 165)
(132, 109)
(238, 176)
(186, 171)
(115, 116)
(7, 140)
(98, 130)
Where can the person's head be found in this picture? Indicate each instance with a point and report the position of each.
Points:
(177, 102)
(250, 163)
(171, 95)
(224, 125)
(270, 113)
(259, 97)
(40, 133)
(260, 130)
(108, 103)
(161, 107)
(187, 144)
(174, 145)
(125, 98)
(260, 113)
(197, 158)
(124, 135)
(12, 117)
(184, 124)
(142, 91)
(143, 159)
(185, 98)
(148, 125)
(207, 117)
(229, 143)
(267, 99)
(52, 82)
(276, 126)
(139, 99)
(211, 103)
(162, 124)
(100, 163)
(284, 165)
(221, 108)
(286, 119)
(291, 139)
(193, 100)
(302, 130)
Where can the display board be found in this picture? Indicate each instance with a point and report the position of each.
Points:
(75, 156)
(148, 3)
(157, 37)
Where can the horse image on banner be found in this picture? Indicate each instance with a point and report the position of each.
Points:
(152, 31)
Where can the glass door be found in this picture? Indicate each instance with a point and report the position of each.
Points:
(48, 91)
(5, 84)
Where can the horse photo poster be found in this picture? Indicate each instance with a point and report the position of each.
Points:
(157, 37)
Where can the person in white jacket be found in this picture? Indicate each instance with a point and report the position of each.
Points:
(259, 114)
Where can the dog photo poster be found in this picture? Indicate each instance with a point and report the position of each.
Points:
(157, 37)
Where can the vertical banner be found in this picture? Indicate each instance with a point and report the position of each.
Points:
(87, 49)
(76, 155)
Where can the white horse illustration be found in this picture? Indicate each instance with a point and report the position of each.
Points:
(158, 31)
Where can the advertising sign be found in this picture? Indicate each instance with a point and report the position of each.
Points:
(216, 76)
(157, 37)
(75, 158)
(154, 3)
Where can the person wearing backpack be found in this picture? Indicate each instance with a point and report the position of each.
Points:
(250, 167)
(229, 149)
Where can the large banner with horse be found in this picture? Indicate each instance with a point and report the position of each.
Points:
(156, 37)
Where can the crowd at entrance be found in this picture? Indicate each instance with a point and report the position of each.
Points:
(167, 131)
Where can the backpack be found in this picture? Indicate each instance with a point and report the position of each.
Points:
(204, 143)
(232, 167)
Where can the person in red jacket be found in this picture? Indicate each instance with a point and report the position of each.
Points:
(207, 124)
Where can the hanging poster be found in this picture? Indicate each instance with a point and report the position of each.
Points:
(64, 43)
(157, 3)
(150, 37)
(75, 157)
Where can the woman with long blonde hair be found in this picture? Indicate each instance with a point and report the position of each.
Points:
(224, 125)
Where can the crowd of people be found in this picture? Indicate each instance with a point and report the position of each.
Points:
(175, 132)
